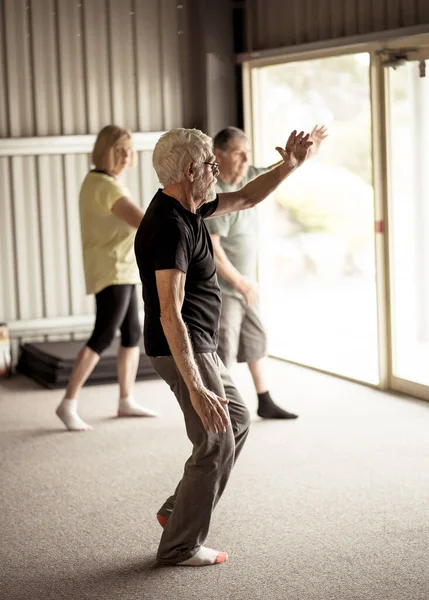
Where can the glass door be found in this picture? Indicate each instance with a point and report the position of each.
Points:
(408, 209)
(316, 234)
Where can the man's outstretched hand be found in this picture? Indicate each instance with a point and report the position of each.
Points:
(296, 150)
(317, 136)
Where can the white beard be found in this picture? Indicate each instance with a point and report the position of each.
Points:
(207, 195)
(211, 193)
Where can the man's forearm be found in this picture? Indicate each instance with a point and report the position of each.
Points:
(271, 167)
(258, 189)
(226, 269)
(181, 349)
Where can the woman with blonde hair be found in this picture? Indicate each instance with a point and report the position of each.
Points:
(109, 220)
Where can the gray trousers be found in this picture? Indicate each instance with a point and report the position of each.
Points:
(207, 470)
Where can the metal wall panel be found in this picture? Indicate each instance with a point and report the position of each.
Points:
(4, 125)
(53, 235)
(8, 304)
(422, 11)
(170, 65)
(350, 17)
(18, 73)
(191, 66)
(298, 19)
(393, 13)
(97, 71)
(71, 75)
(121, 59)
(410, 14)
(71, 67)
(42, 285)
(310, 21)
(68, 68)
(322, 24)
(148, 66)
(220, 80)
(276, 23)
(379, 15)
(364, 22)
(45, 67)
(75, 167)
(27, 238)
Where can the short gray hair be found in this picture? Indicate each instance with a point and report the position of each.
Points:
(177, 147)
(224, 136)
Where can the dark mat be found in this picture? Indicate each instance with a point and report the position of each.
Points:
(63, 353)
(51, 363)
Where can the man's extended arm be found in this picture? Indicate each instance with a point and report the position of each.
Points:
(171, 291)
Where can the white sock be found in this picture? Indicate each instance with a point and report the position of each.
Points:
(205, 556)
(128, 407)
(67, 412)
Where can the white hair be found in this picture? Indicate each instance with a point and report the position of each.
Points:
(176, 148)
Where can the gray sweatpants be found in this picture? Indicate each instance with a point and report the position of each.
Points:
(207, 471)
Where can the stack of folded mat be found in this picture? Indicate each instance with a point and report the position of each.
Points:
(51, 363)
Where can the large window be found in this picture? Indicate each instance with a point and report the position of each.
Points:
(408, 125)
(316, 239)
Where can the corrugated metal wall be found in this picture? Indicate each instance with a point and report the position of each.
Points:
(67, 68)
(40, 246)
(277, 23)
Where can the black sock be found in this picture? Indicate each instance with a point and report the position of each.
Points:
(267, 409)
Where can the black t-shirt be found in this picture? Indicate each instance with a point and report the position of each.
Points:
(171, 237)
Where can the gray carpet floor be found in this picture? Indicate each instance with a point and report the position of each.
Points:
(333, 506)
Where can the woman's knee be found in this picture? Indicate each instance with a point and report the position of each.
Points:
(100, 341)
(131, 338)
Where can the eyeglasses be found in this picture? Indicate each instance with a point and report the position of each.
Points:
(214, 166)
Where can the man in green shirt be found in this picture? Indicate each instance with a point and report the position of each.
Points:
(242, 336)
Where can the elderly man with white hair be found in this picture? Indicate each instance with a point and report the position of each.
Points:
(182, 308)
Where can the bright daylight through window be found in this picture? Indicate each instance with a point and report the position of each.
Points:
(317, 260)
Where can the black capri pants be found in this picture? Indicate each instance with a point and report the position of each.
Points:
(116, 308)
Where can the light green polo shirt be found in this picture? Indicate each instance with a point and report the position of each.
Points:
(239, 234)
